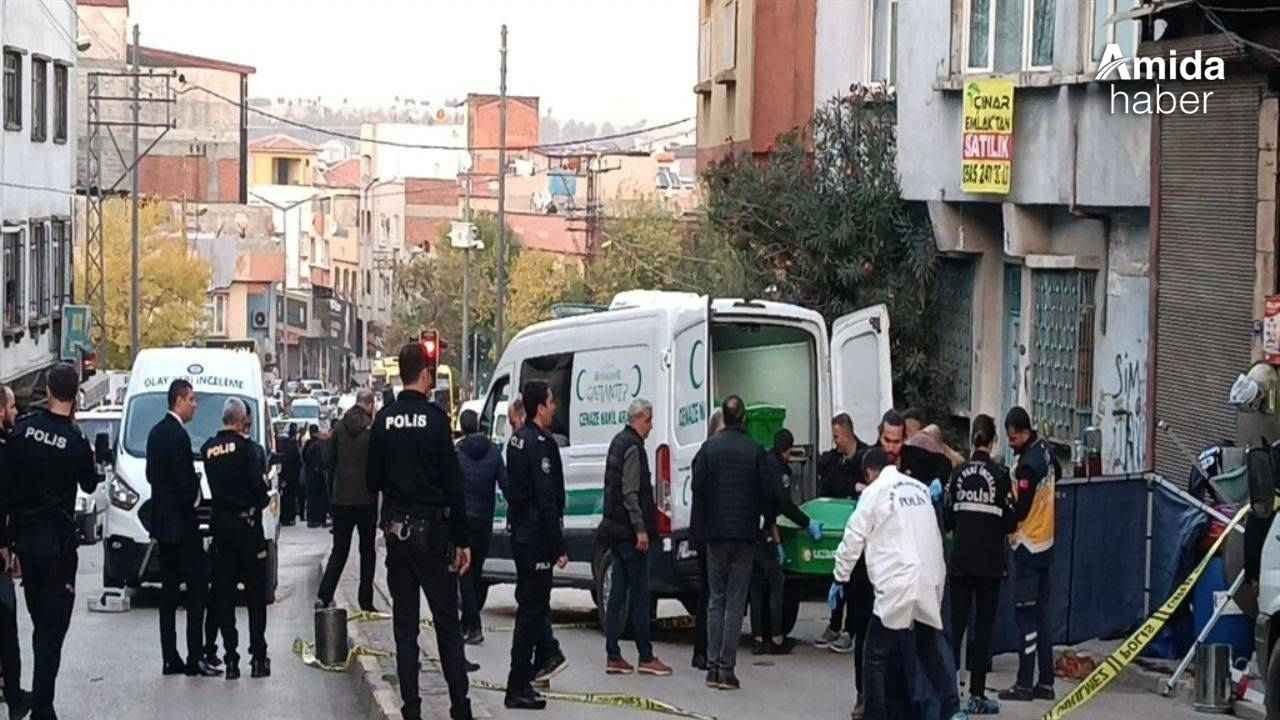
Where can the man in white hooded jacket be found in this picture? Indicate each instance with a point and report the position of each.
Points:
(895, 525)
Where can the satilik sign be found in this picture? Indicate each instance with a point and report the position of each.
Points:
(986, 163)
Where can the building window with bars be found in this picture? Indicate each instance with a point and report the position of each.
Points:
(61, 250)
(12, 90)
(39, 99)
(1062, 347)
(13, 280)
(60, 102)
(38, 296)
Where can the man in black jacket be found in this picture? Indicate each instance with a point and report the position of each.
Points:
(291, 490)
(714, 425)
(237, 481)
(535, 513)
(482, 473)
(840, 476)
(18, 700)
(315, 455)
(413, 465)
(766, 578)
(729, 488)
(354, 508)
(175, 494)
(54, 460)
(978, 509)
(628, 526)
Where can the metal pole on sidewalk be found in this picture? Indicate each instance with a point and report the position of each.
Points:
(135, 338)
(1218, 611)
(466, 287)
(500, 303)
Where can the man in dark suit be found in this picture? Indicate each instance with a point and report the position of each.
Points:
(175, 494)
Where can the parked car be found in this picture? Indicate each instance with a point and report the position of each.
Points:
(311, 387)
(91, 508)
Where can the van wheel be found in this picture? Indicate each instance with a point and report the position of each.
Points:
(273, 571)
(1273, 683)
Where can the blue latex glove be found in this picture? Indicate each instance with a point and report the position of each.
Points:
(935, 491)
(815, 530)
(782, 556)
(835, 595)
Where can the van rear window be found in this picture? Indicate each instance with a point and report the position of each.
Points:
(557, 372)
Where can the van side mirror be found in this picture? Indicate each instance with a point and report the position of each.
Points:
(102, 452)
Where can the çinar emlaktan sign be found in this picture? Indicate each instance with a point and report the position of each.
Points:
(987, 152)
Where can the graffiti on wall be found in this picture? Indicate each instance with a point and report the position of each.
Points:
(1124, 421)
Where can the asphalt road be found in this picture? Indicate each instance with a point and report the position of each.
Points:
(111, 662)
(810, 684)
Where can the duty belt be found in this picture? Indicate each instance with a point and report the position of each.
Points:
(250, 517)
(402, 525)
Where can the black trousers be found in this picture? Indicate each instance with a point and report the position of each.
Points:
(909, 673)
(10, 654)
(317, 499)
(49, 564)
(860, 597)
(481, 531)
(982, 594)
(241, 557)
(417, 565)
(212, 618)
(766, 591)
(533, 616)
(183, 561)
(291, 499)
(704, 600)
(348, 519)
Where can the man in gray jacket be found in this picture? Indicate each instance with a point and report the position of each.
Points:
(354, 507)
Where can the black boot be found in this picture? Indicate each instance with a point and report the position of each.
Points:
(462, 712)
(260, 667)
(19, 705)
(233, 669)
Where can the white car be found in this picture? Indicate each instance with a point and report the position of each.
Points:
(312, 387)
(91, 508)
(306, 409)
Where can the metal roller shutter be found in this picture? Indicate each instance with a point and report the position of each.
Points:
(1208, 172)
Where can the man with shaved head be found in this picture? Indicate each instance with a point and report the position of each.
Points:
(354, 507)
(236, 469)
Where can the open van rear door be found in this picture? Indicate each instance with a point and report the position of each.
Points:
(861, 372)
(690, 368)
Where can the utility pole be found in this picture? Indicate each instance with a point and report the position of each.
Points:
(466, 285)
(135, 338)
(499, 329)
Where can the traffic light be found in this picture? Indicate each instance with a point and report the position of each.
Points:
(432, 345)
(88, 364)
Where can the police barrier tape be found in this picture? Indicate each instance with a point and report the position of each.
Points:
(307, 651)
(617, 700)
(1111, 667)
(682, 622)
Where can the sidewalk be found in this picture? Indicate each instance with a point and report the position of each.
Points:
(378, 674)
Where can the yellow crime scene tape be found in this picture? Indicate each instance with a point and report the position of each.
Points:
(1111, 667)
(682, 622)
(617, 700)
(307, 651)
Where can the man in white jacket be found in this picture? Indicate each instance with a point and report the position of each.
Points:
(906, 663)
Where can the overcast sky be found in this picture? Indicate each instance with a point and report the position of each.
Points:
(596, 60)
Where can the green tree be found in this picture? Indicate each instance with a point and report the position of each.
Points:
(823, 224)
(173, 282)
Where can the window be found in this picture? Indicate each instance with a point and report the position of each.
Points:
(39, 99)
(60, 101)
(13, 279)
(219, 314)
(556, 371)
(493, 418)
(1125, 34)
(883, 48)
(704, 51)
(38, 250)
(61, 249)
(12, 90)
(1004, 36)
(368, 281)
(727, 58)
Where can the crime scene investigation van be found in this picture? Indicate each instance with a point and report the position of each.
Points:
(684, 353)
(130, 557)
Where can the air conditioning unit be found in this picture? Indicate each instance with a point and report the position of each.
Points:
(260, 320)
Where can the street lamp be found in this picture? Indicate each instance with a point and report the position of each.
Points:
(284, 250)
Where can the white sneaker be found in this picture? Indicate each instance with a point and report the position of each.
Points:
(842, 644)
(828, 636)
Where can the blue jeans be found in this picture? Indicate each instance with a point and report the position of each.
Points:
(1032, 594)
(628, 596)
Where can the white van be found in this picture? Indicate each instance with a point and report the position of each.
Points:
(684, 353)
(130, 557)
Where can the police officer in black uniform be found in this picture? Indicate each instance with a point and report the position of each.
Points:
(535, 502)
(978, 510)
(236, 469)
(413, 463)
(18, 700)
(55, 459)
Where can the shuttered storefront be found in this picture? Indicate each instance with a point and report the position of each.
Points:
(1205, 264)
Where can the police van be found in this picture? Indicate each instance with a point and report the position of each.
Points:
(684, 353)
(130, 557)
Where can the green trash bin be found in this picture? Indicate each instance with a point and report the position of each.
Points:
(764, 421)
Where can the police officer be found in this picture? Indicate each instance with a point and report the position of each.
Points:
(978, 510)
(18, 700)
(535, 502)
(55, 459)
(413, 463)
(236, 469)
